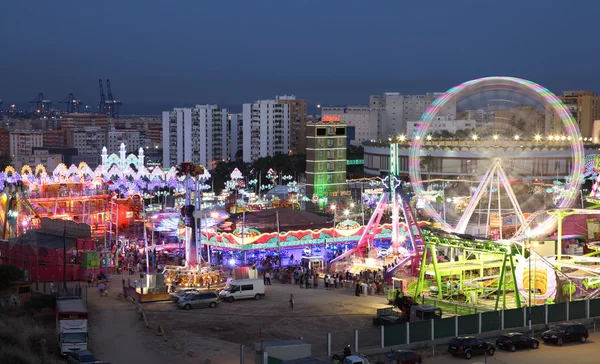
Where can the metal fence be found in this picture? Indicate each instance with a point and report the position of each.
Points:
(58, 289)
(482, 322)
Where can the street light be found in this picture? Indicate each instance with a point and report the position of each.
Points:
(529, 245)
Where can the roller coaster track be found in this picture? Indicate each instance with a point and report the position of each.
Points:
(522, 232)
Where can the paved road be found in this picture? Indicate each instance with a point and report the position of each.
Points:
(546, 354)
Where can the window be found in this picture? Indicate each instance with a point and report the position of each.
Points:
(247, 287)
(321, 131)
(340, 131)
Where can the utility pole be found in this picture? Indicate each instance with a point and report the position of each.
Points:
(65, 255)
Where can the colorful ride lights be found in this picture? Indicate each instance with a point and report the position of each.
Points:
(571, 128)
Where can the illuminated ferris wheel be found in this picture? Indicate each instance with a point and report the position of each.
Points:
(495, 183)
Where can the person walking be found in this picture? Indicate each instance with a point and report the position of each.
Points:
(291, 301)
(101, 289)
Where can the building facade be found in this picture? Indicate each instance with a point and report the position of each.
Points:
(297, 122)
(236, 140)
(585, 107)
(198, 135)
(470, 159)
(396, 110)
(114, 139)
(5, 143)
(23, 142)
(55, 139)
(362, 117)
(71, 121)
(325, 160)
(89, 143)
(440, 124)
(265, 130)
(49, 161)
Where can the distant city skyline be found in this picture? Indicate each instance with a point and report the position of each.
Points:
(330, 53)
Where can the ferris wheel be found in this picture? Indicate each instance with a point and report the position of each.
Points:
(496, 179)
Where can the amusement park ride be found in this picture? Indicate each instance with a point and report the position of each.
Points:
(490, 267)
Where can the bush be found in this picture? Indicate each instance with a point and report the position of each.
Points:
(24, 341)
(43, 301)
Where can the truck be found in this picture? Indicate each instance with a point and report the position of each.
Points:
(410, 311)
(71, 324)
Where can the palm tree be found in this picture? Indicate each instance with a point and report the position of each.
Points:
(431, 163)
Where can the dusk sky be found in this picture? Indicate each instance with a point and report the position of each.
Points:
(162, 54)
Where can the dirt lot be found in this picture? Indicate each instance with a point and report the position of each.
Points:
(216, 334)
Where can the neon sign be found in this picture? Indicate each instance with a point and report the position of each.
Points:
(331, 119)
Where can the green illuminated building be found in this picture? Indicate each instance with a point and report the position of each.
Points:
(326, 159)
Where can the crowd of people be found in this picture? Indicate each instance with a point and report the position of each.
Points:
(365, 282)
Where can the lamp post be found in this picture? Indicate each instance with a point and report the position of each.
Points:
(529, 245)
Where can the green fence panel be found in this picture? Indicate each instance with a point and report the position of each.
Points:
(595, 308)
(577, 310)
(538, 315)
(468, 324)
(420, 331)
(490, 321)
(513, 318)
(557, 312)
(444, 328)
(394, 335)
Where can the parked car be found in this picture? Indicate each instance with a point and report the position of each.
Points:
(199, 300)
(468, 346)
(81, 357)
(565, 332)
(175, 297)
(401, 357)
(516, 340)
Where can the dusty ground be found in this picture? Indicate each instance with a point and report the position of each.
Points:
(116, 333)
(216, 334)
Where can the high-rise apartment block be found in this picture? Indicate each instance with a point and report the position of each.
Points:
(362, 117)
(396, 110)
(326, 159)
(236, 140)
(297, 122)
(266, 129)
(198, 135)
(585, 107)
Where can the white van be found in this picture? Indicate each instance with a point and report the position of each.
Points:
(243, 288)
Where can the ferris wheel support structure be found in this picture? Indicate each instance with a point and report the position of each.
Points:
(495, 172)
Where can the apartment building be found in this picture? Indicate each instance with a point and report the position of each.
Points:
(297, 122)
(196, 134)
(362, 117)
(585, 107)
(266, 129)
(23, 142)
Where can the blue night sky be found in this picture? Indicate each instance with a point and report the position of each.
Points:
(161, 54)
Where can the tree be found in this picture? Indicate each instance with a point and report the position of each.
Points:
(431, 163)
(4, 162)
(356, 152)
(9, 274)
